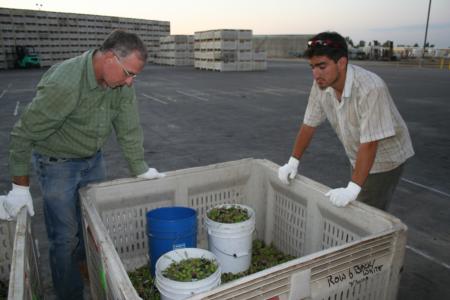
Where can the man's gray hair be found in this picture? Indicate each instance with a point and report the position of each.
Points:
(123, 43)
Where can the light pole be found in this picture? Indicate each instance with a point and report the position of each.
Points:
(426, 30)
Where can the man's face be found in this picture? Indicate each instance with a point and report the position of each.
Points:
(122, 71)
(325, 71)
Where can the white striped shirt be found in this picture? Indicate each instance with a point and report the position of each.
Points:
(366, 113)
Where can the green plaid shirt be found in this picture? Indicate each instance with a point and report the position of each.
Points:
(72, 116)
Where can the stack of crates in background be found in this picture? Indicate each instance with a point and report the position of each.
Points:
(225, 50)
(58, 36)
(259, 61)
(19, 259)
(354, 252)
(176, 50)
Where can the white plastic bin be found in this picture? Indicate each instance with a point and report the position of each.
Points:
(350, 253)
(18, 259)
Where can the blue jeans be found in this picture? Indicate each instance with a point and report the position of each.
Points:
(60, 180)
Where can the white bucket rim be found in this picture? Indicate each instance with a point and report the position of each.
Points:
(247, 223)
(178, 255)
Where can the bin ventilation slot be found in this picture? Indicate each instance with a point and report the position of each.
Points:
(289, 225)
(5, 250)
(335, 235)
(127, 228)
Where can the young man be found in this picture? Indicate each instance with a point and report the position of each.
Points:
(360, 109)
(77, 105)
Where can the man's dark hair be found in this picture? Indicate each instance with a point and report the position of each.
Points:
(124, 43)
(330, 44)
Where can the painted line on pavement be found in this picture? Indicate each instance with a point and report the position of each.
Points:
(426, 187)
(16, 110)
(265, 91)
(5, 90)
(18, 91)
(154, 98)
(272, 92)
(191, 95)
(171, 99)
(429, 257)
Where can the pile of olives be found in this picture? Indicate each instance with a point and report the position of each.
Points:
(144, 283)
(263, 257)
(231, 214)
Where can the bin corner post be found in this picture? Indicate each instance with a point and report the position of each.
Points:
(314, 227)
(257, 197)
(398, 257)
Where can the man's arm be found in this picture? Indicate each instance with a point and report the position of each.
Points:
(289, 171)
(364, 162)
(302, 141)
(21, 180)
(130, 137)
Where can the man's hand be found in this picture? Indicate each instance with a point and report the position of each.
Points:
(288, 171)
(343, 196)
(3, 214)
(152, 173)
(17, 198)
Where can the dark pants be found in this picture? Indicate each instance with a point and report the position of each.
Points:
(379, 188)
(60, 180)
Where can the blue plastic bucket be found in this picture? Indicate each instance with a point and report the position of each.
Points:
(170, 228)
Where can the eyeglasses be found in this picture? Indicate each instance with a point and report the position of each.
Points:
(323, 43)
(125, 71)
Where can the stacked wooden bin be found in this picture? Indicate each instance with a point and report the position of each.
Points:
(226, 50)
(59, 36)
(176, 50)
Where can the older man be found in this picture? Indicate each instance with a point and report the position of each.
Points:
(77, 105)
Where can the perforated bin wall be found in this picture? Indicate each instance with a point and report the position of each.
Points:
(7, 231)
(19, 259)
(343, 253)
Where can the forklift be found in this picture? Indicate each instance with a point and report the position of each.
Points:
(27, 57)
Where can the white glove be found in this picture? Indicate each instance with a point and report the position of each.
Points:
(288, 171)
(3, 214)
(17, 198)
(343, 196)
(152, 173)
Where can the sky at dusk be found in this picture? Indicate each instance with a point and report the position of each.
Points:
(402, 21)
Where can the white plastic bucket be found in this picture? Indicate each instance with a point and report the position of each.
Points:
(232, 243)
(176, 290)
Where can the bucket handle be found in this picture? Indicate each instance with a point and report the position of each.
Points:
(236, 255)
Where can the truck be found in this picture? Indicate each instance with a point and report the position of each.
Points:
(27, 57)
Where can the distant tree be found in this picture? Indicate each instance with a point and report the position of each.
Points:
(416, 45)
(349, 41)
(376, 43)
(362, 44)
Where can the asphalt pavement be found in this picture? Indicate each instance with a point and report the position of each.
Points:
(194, 118)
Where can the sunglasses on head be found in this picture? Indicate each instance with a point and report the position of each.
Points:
(323, 43)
